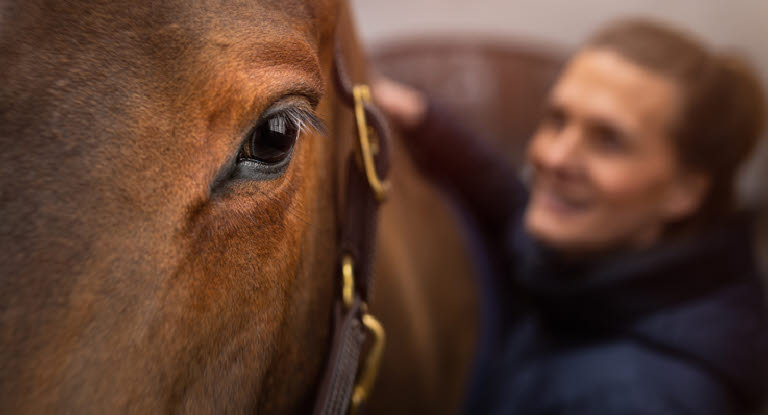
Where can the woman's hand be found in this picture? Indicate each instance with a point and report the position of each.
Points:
(404, 105)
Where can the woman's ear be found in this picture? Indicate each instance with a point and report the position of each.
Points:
(685, 195)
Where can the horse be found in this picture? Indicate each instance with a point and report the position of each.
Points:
(173, 186)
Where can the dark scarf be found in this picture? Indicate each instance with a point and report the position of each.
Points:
(700, 299)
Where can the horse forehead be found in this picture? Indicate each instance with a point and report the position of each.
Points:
(106, 47)
(86, 76)
(253, 21)
(93, 78)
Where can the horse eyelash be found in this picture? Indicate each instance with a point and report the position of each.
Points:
(304, 119)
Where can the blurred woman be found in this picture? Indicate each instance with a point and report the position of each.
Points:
(626, 278)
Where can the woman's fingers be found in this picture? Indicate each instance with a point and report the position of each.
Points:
(406, 106)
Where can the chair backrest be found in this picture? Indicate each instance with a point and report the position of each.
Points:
(497, 87)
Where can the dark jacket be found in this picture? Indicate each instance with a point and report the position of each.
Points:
(676, 329)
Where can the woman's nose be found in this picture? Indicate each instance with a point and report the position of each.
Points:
(561, 150)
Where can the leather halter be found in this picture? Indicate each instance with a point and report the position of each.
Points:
(344, 388)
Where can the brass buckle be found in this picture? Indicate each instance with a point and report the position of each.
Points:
(362, 95)
(348, 279)
(364, 383)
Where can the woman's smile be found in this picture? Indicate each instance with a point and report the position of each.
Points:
(604, 166)
(558, 200)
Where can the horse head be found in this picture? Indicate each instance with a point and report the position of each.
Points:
(170, 203)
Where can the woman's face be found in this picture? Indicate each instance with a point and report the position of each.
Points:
(605, 171)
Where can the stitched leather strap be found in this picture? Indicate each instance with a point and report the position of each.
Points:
(336, 391)
(357, 240)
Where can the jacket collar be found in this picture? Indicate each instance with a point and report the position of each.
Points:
(699, 299)
(624, 287)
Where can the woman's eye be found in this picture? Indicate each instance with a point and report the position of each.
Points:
(607, 138)
(554, 118)
(272, 140)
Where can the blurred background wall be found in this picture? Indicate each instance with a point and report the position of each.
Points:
(731, 24)
(742, 24)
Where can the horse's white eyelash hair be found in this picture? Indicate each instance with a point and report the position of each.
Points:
(304, 119)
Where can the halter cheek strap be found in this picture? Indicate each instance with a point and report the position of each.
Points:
(346, 385)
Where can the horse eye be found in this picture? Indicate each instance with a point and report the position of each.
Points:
(271, 141)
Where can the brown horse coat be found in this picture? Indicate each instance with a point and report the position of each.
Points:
(135, 274)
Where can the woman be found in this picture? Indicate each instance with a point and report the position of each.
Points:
(628, 280)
